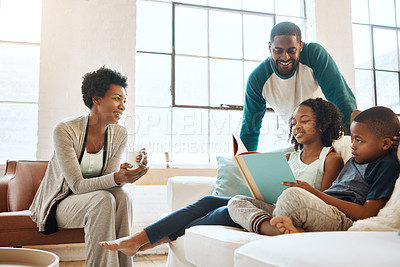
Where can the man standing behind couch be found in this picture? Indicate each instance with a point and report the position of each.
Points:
(294, 72)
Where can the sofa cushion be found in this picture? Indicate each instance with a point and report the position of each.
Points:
(210, 245)
(10, 221)
(229, 181)
(322, 249)
(17, 229)
(23, 186)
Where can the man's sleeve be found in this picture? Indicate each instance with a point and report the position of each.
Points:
(254, 110)
(331, 81)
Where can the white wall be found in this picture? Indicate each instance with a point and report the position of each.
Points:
(333, 30)
(79, 37)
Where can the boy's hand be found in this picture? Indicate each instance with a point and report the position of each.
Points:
(395, 141)
(301, 184)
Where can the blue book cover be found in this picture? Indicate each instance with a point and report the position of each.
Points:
(264, 174)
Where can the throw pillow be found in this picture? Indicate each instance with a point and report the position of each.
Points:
(229, 180)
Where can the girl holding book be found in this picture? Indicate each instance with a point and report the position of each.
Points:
(314, 125)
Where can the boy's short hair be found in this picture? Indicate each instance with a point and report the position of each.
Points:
(285, 28)
(381, 121)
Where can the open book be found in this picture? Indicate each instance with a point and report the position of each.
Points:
(263, 172)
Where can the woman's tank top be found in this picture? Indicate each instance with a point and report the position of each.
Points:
(92, 164)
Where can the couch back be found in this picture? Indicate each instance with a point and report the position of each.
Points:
(23, 185)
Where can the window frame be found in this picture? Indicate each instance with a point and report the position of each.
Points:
(21, 102)
(224, 106)
(372, 68)
(12, 101)
(173, 55)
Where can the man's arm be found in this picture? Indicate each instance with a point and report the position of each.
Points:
(251, 124)
(254, 110)
(254, 106)
(331, 81)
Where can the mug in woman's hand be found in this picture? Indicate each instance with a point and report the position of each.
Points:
(131, 158)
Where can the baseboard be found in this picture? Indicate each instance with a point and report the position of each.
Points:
(77, 252)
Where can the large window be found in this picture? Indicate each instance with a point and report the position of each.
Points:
(192, 63)
(376, 29)
(20, 22)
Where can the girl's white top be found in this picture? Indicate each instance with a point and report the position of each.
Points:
(311, 173)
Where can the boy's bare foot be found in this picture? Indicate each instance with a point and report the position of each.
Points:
(267, 229)
(149, 245)
(285, 225)
(128, 245)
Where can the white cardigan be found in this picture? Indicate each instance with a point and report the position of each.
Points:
(63, 173)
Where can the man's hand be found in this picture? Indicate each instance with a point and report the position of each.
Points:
(395, 142)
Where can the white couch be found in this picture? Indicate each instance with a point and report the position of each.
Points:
(208, 246)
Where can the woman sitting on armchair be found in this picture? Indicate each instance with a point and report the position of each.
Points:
(82, 186)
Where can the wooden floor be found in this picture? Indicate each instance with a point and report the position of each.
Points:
(138, 261)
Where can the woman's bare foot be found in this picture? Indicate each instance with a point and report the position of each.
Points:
(149, 245)
(285, 225)
(129, 245)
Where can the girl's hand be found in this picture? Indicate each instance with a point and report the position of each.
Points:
(130, 176)
(306, 186)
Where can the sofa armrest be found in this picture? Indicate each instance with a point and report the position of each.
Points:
(184, 190)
